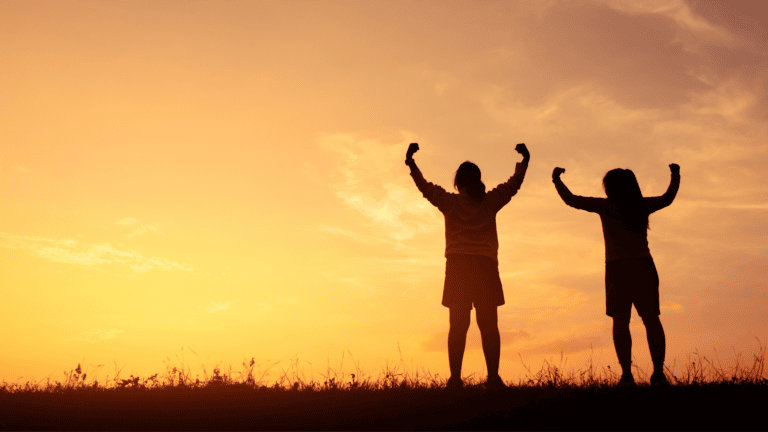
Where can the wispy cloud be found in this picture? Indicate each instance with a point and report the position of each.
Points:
(670, 306)
(141, 229)
(97, 335)
(570, 345)
(339, 231)
(71, 252)
(128, 221)
(439, 341)
(216, 307)
(441, 82)
(373, 185)
(694, 28)
(713, 127)
(430, 261)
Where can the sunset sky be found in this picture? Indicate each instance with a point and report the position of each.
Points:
(205, 182)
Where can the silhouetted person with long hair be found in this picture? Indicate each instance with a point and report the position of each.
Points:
(630, 273)
(471, 251)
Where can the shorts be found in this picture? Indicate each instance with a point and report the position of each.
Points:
(631, 281)
(472, 279)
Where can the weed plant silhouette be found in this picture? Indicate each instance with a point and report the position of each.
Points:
(281, 395)
(699, 370)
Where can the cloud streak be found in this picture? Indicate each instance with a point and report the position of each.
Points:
(97, 335)
(571, 345)
(71, 252)
(692, 27)
(394, 211)
(142, 229)
(216, 307)
(439, 341)
(128, 221)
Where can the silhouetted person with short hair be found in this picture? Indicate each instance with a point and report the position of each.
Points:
(471, 251)
(630, 273)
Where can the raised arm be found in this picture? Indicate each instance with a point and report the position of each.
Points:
(432, 192)
(595, 205)
(658, 203)
(503, 193)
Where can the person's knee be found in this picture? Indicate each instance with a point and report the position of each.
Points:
(621, 321)
(487, 326)
(487, 320)
(459, 328)
(651, 321)
(459, 321)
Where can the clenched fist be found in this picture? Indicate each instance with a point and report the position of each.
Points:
(523, 150)
(413, 148)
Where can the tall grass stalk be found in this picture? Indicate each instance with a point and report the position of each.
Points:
(699, 370)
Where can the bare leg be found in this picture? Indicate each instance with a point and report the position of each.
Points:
(488, 322)
(622, 341)
(657, 342)
(457, 339)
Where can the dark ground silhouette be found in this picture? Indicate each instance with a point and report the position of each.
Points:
(704, 407)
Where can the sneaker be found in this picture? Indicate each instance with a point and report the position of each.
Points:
(454, 383)
(627, 380)
(495, 383)
(658, 379)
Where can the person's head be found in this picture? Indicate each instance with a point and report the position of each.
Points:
(468, 177)
(621, 186)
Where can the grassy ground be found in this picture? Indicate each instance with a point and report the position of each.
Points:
(705, 395)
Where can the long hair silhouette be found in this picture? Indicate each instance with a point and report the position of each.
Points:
(468, 176)
(623, 190)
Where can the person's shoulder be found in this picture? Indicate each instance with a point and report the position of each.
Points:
(465, 200)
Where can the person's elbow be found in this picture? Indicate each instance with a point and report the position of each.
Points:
(569, 200)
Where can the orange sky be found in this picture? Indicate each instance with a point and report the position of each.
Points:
(228, 177)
